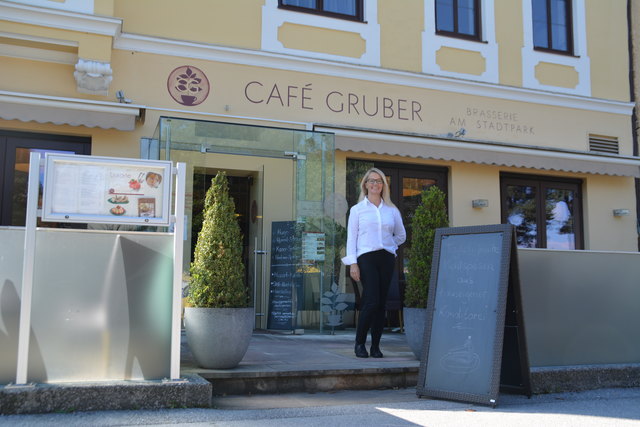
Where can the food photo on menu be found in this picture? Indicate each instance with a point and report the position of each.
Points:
(131, 192)
(147, 207)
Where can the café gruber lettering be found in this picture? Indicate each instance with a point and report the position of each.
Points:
(491, 120)
(339, 102)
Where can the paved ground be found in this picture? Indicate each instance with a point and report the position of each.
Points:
(275, 352)
(601, 408)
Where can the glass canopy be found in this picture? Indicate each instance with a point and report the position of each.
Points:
(282, 181)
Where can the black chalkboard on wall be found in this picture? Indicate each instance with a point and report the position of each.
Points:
(471, 320)
(285, 280)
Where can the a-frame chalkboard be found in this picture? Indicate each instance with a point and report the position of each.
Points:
(474, 342)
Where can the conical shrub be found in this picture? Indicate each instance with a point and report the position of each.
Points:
(429, 215)
(217, 271)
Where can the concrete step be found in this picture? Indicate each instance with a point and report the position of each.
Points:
(311, 381)
(286, 363)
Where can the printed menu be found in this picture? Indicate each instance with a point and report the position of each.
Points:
(114, 190)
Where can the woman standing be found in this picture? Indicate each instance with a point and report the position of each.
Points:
(374, 232)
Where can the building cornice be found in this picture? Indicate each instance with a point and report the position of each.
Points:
(278, 61)
(60, 19)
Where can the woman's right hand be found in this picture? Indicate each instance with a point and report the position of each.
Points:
(354, 272)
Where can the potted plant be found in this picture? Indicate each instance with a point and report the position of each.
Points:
(429, 215)
(218, 320)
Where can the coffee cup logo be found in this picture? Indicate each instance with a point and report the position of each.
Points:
(188, 85)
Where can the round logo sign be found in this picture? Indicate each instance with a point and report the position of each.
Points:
(188, 85)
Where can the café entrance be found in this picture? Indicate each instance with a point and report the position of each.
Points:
(282, 184)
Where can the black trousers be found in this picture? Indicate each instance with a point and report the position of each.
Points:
(376, 270)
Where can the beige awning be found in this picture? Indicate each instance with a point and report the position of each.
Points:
(482, 152)
(70, 111)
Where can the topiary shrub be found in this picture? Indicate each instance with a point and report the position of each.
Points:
(429, 215)
(217, 271)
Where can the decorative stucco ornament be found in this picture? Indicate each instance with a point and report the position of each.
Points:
(93, 77)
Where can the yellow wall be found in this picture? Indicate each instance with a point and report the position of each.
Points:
(469, 182)
(607, 40)
(229, 23)
(143, 76)
(557, 75)
(316, 39)
(603, 231)
(90, 46)
(508, 18)
(21, 75)
(461, 61)
(401, 26)
(103, 7)
(239, 24)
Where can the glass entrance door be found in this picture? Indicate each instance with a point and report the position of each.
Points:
(246, 177)
(246, 189)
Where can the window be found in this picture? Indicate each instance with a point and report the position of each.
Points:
(15, 149)
(344, 9)
(458, 18)
(546, 212)
(552, 25)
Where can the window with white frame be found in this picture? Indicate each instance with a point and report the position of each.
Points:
(555, 41)
(458, 18)
(474, 32)
(276, 15)
(552, 29)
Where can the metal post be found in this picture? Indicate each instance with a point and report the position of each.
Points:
(28, 265)
(178, 247)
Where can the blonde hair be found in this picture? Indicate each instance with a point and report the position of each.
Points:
(386, 193)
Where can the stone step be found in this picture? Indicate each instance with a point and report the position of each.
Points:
(311, 381)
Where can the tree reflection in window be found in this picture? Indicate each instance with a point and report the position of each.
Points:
(545, 211)
(522, 212)
(560, 219)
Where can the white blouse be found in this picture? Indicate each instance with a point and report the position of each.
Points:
(372, 228)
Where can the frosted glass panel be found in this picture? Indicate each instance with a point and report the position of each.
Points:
(101, 306)
(10, 288)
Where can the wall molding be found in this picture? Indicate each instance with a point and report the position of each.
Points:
(277, 61)
(60, 19)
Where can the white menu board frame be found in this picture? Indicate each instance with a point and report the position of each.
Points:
(106, 190)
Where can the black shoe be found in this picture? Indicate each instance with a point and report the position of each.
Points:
(375, 352)
(361, 351)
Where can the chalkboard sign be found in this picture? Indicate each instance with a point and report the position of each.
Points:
(285, 280)
(465, 330)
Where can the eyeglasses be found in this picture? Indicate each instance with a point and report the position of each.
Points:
(374, 181)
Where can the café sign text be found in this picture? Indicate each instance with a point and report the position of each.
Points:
(336, 101)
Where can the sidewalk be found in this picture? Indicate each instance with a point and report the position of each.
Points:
(595, 408)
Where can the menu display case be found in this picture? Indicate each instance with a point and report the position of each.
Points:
(92, 189)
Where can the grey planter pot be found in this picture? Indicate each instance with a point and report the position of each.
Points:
(414, 324)
(218, 337)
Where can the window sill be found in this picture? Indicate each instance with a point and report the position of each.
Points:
(351, 18)
(556, 52)
(460, 36)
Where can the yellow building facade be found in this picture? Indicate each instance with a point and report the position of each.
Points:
(516, 119)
